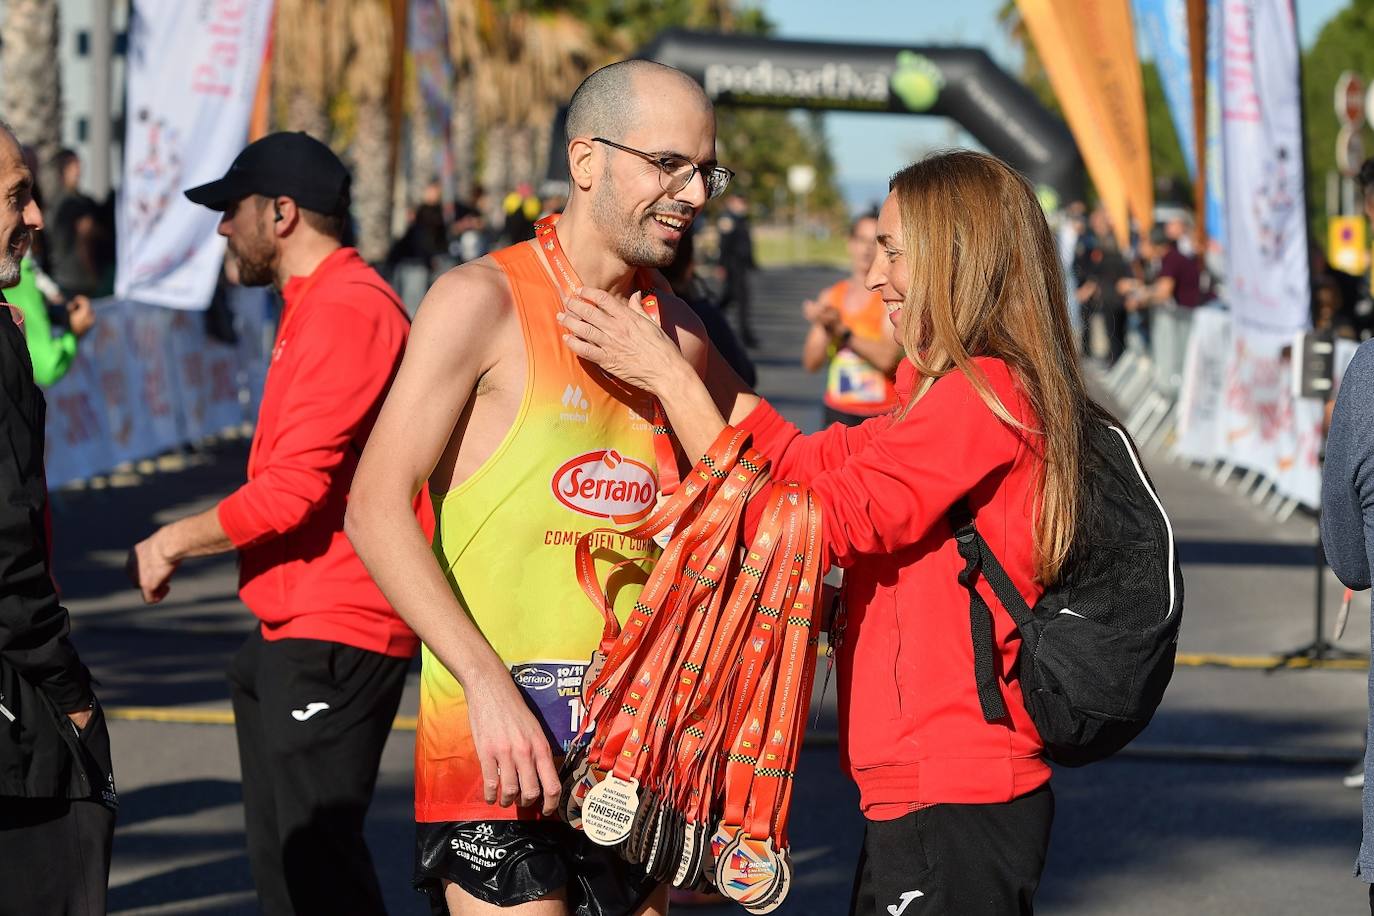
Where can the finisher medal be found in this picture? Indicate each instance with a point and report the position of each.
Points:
(609, 810)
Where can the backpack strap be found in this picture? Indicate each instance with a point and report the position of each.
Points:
(978, 556)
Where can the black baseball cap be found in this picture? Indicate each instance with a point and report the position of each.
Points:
(285, 164)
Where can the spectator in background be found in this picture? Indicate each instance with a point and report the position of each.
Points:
(681, 275)
(43, 306)
(1177, 290)
(414, 257)
(1144, 259)
(317, 684)
(78, 249)
(426, 238)
(1102, 276)
(1329, 315)
(57, 792)
(470, 240)
(52, 354)
(521, 208)
(737, 260)
(852, 339)
(1072, 225)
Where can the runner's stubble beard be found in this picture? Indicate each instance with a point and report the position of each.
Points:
(628, 238)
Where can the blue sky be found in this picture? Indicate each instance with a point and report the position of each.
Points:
(870, 147)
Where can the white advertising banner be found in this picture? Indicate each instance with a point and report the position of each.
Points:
(78, 439)
(1257, 378)
(206, 377)
(1200, 397)
(1268, 285)
(148, 379)
(192, 73)
(1297, 472)
(150, 368)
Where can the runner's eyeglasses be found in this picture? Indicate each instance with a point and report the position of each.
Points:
(675, 172)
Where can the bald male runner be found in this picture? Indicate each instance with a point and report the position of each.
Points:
(526, 448)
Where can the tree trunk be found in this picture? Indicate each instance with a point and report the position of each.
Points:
(523, 155)
(371, 179)
(463, 134)
(304, 113)
(31, 83)
(497, 174)
(540, 133)
(423, 156)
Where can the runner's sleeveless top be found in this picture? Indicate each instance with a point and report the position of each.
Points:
(579, 456)
(853, 384)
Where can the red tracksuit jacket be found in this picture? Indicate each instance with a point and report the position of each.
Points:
(338, 347)
(911, 728)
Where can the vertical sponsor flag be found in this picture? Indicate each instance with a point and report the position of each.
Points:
(1164, 25)
(1214, 165)
(429, 55)
(192, 78)
(1088, 49)
(1266, 216)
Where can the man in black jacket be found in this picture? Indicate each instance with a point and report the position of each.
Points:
(57, 793)
(737, 260)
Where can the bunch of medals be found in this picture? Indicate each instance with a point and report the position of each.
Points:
(696, 707)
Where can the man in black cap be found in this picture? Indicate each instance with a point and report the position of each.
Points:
(317, 684)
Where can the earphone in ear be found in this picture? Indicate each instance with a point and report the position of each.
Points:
(276, 208)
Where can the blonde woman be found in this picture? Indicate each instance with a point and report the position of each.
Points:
(992, 416)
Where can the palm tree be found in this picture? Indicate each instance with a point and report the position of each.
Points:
(470, 23)
(366, 82)
(31, 83)
(306, 51)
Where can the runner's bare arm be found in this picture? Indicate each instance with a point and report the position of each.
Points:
(451, 346)
(816, 348)
(821, 315)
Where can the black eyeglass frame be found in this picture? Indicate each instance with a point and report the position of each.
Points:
(667, 175)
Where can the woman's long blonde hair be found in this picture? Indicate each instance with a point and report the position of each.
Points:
(986, 281)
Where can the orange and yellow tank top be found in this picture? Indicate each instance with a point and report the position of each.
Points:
(579, 456)
(854, 385)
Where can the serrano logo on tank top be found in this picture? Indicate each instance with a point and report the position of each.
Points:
(603, 484)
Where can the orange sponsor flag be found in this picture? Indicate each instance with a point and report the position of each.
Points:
(1088, 49)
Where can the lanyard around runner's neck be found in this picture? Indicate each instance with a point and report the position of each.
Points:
(546, 238)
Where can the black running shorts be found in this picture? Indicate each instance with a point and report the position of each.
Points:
(956, 860)
(510, 862)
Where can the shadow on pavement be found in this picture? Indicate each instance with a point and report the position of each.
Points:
(1246, 553)
(176, 799)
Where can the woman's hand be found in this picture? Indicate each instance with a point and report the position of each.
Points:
(621, 338)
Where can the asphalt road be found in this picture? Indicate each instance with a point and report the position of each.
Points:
(1230, 803)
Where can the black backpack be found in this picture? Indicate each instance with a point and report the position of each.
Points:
(1098, 648)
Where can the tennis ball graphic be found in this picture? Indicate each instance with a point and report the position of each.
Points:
(917, 81)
